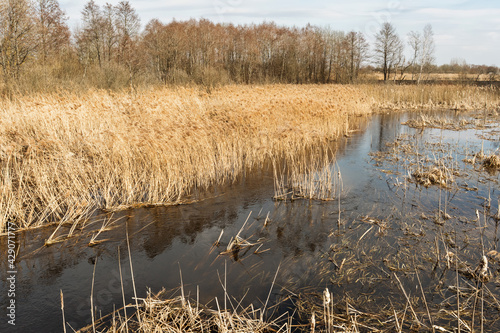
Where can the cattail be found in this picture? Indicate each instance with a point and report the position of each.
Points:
(481, 271)
(326, 297)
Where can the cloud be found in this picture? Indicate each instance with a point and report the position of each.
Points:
(494, 35)
(459, 25)
(488, 14)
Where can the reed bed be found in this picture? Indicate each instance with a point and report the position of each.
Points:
(155, 313)
(312, 175)
(65, 155)
(62, 156)
(427, 121)
(436, 96)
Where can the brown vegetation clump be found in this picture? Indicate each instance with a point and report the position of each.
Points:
(432, 176)
(64, 155)
(488, 161)
(426, 121)
(492, 161)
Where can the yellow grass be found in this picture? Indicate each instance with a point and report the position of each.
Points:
(64, 155)
(458, 97)
(180, 314)
(452, 77)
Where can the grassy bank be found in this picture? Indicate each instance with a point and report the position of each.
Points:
(64, 155)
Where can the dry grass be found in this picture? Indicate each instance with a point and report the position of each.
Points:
(64, 155)
(456, 97)
(180, 314)
(426, 121)
(433, 176)
(311, 175)
(452, 77)
(492, 161)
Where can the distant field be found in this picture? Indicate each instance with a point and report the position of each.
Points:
(436, 77)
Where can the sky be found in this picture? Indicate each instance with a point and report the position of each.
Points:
(463, 30)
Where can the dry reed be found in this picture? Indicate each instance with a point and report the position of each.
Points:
(437, 96)
(492, 161)
(426, 121)
(180, 314)
(65, 155)
(62, 156)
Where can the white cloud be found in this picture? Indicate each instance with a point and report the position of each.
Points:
(459, 25)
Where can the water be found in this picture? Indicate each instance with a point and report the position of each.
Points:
(388, 225)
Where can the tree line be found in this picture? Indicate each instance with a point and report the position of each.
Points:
(109, 49)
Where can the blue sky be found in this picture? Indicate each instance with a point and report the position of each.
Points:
(468, 30)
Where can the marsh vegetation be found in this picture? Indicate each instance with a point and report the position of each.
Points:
(178, 178)
(392, 215)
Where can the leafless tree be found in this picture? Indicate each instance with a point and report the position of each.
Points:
(52, 30)
(415, 42)
(388, 48)
(128, 25)
(357, 48)
(427, 53)
(89, 39)
(17, 42)
(108, 32)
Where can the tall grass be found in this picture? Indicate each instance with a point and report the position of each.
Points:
(438, 96)
(64, 155)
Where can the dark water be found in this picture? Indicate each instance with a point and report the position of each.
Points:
(387, 226)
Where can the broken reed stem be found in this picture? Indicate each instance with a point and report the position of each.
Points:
(123, 291)
(62, 310)
(270, 291)
(340, 183)
(424, 298)
(482, 308)
(407, 298)
(225, 285)
(398, 326)
(458, 285)
(132, 274)
(92, 296)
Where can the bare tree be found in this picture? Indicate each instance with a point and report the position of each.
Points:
(128, 25)
(415, 42)
(89, 39)
(108, 31)
(398, 61)
(388, 47)
(17, 44)
(52, 30)
(427, 53)
(357, 48)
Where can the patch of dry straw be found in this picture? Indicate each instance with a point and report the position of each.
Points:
(64, 155)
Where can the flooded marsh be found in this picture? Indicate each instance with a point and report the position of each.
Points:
(396, 250)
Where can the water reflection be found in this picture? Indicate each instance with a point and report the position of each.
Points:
(381, 231)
